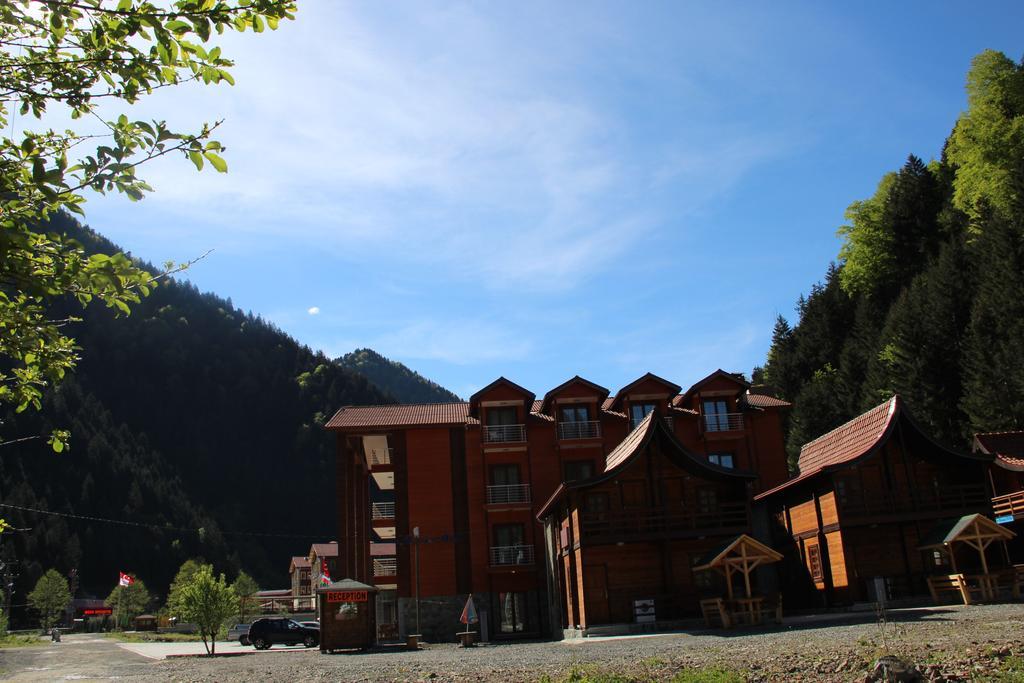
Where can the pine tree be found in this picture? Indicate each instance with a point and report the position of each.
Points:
(994, 349)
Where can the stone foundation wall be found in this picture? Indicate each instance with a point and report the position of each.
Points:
(439, 616)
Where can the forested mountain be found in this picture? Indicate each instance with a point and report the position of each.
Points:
(198, 424)
(927, 297)
(395, 378)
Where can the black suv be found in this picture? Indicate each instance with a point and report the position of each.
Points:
(266, 632)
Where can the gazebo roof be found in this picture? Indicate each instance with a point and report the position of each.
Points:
(755, 550)
(951, 530)
(346, 585)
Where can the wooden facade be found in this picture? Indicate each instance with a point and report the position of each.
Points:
(867, 494)
(471, 477)
(637, 531)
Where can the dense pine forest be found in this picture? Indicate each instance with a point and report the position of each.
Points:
(195, 422)
(927, 296)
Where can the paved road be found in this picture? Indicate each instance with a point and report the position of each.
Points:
(83, 657)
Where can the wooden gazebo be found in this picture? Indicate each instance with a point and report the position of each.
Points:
(978, 532)
(741, 555)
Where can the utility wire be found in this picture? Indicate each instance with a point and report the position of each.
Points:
(156, 527)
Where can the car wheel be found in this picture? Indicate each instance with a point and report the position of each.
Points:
(244, 640)
(310, 641)
(260, 644)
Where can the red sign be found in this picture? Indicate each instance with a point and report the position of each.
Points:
(98, 612)
(346, 596)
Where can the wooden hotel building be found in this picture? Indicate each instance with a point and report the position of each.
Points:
(442, 500)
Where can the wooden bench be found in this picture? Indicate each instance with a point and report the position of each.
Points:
(947, 585)
(716, 612)
(1017, 581)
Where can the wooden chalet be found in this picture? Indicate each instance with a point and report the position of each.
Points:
(624, 546)
(867, 494)
(1006, 475)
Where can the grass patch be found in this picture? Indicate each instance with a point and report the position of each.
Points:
(19, 641)
(1011, 670)
(714, 675)
(582, 674)
(152, 637)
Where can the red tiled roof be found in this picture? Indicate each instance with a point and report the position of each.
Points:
(764, 401)
(717, 373)
(628, 446)
(1008, 447)
(406, 415)
(844, 443)
(301, 562)
(849, 441)
(325, 549)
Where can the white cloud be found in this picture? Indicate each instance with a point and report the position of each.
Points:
(313, 310)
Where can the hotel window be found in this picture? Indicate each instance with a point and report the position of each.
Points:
(506, 535)
(504, 475)
(501, 416)
(596, 503)
(579, 469)
(722, 460)
(716, 416)
(576, 413)
(814, 560)
(638, 411)
(707, 500)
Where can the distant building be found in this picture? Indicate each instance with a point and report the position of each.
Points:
(301, 581)
(458, 487)
(321, 554)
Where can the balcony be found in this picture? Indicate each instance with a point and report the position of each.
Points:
(385, 566)
(1010, 505)
(504, 433)
(723, 422)
(382, 510)
(925, 501)
(511, 555)
(589, 429)
(508, 493)
(653, 524)
(379, 456)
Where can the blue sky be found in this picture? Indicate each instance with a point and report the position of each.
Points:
(538, 190)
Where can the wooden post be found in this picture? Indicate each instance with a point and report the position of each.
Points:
(952, 557)
(746, 567)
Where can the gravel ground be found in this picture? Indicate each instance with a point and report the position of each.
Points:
(953, 644)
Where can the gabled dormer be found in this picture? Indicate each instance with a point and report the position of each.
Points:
(502, 408)
(718, 398)
(575, 406)
(648, 394)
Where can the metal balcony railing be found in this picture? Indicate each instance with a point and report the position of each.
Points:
(504, 433)
(510, 555)
(723, 422)
(382, 510)
(379, 457)
(508, 493)
(589, 429)
(385, 566)
(1009, 504)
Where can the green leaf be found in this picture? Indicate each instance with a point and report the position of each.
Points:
(217, 162)
(197, 159)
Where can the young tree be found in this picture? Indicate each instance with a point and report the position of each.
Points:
(185, 573)
(50, 598)
(244, 587)
(207, 602)
(129, 601)
(63, 59)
